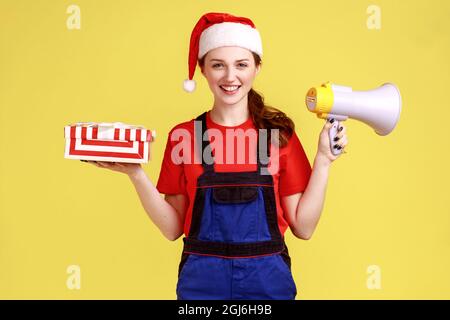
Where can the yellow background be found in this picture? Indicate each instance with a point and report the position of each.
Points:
(387, 200)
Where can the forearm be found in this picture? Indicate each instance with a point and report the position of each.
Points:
(163, 215)
(311, 202)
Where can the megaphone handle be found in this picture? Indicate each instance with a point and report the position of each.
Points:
(332, 134)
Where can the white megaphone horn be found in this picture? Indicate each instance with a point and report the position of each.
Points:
(379, 108)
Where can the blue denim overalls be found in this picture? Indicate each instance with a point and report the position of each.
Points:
(234, 248)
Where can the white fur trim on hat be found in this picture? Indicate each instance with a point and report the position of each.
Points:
(189, 85)
(228, 34)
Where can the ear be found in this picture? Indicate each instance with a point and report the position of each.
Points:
(258, 68)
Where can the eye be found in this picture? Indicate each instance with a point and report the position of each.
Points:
(243, 65)
(216, 64)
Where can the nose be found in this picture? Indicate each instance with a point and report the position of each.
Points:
(230, 75)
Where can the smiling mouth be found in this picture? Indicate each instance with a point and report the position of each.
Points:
(230, 89)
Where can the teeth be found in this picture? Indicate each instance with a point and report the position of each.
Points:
(229, 88)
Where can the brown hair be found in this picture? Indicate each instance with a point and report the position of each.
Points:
(265, 116)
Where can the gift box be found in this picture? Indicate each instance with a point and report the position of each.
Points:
(114, 142)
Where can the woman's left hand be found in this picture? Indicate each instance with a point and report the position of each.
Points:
(324, 150)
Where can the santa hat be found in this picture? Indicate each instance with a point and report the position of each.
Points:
(215, 30)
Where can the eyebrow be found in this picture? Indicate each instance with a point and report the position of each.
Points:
(223, 60)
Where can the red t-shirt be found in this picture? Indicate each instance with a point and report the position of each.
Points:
(179, 170)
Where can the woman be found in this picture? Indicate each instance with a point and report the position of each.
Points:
(234, 213)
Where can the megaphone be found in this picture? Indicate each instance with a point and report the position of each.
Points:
(379, 108)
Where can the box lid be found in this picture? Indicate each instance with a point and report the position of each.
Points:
(114, 131)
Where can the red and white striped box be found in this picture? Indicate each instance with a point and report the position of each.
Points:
(114, 142)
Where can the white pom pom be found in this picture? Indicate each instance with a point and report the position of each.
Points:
(189, 85)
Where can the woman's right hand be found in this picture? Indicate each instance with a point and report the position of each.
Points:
(128, 168)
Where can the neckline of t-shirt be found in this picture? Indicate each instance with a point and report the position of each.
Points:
(246, 123)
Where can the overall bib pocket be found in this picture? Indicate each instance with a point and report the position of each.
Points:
(235, 195)
(235, 213)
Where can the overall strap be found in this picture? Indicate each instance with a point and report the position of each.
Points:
(204, 146)
(263, 135)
